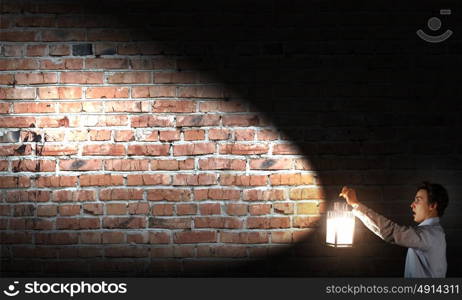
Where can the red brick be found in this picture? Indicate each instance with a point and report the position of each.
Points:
(169, 135)
(126, 165)
(138, 208)
(170, 223)
(116, 209)
(306, 193)
(14, 181)
(219, 134)
(47, 210)
(103, 120)
(194, 135)
(15, 150)
(172, 164)
(18, 64)
(194, 149)
(122, 106)
(283, 208)
(151, 121)
(19, 36)
(271, 164)
(190, 179)
(22, 210)
(121, 194)
(82, 77)
(17, 93)
(106, 63)
(13, 50)
(198, 120)
(267, 135)
(291, 179)
(162, 210)
(93, 209)
(308, 208)
(189, 237)
(259, 209)
(243, 149)
(104, 149)
(233, 209)
(108, 92)
(126, 251)
(56, 181)
(268, 222)
(80, 165)
(74, 196)
(15, 238)
(305, 221)
(113, 237)
(148, 179)
(222, 164)
(243, 180)
(35, 78)
(168, 195)
(90, 237)
(186, 209)
(100, 135)
(64, 93)
(69, 210)
(56, 238)
(147, 149)
(61, 64)
(241, 120)
(30, 165)
(124, 222)
(77, 136)
(34, 107)
(210, 208)
(177, 77)
(78, 223)
(130, 77)
(217, 222)
(200, 92)
(101, 180)
(20, 122)
(28, 196)
(55, 150)
(263, 195)
(56, 122)
(59, 50)
(244, 134)
(159, 238)
(173, 106)
(216, 194)
(254, 237)
(153, 91)
(124, 136)
(283, 237)
(286, 149)
(137, 238)
(7, 79)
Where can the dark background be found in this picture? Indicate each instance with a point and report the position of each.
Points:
(370, 104)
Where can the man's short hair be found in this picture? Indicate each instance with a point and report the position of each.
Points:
(436, 194)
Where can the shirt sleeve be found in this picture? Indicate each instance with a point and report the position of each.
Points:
(389, 231)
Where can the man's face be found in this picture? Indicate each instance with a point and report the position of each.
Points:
(421, 208)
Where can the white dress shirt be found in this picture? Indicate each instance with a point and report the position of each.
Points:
(426, 256)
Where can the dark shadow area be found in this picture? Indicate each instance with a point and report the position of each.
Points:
(367, 102)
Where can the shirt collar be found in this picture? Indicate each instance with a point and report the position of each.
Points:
(430, 221)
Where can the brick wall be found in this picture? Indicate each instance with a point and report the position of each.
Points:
(208, 139)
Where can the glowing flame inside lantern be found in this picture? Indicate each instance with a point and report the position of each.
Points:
(340, 226)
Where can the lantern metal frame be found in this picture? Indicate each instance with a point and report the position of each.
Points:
(340, 211)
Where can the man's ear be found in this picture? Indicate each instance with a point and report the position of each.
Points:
(433, 206)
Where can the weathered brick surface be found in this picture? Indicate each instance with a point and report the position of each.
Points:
(123, 150)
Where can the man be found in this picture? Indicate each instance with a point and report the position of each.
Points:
(426, 256)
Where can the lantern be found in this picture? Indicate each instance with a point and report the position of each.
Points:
(340, 226)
